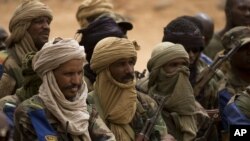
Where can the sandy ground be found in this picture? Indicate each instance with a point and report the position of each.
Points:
(148, 17)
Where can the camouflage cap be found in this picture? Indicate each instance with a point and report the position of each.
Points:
(121, 20)
(235, 36)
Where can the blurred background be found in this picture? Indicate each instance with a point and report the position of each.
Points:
(149, 17)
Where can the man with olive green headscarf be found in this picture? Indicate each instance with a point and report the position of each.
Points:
(169, 80)
(29, 31)
(124, 110)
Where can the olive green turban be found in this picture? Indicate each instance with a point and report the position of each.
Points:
(53, 55)
(22, 17)
(90, 8)
(109, 50)
(165, 52)
(236, 36)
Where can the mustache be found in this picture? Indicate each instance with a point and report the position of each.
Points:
(128, 76)
(73, 86)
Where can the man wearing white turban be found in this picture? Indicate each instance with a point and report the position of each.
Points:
(124, 110)
(29, 31)
(60, 105)
(169, 78)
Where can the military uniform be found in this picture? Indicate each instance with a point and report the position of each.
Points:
(214, 46)
(146, 108)
(26, 131)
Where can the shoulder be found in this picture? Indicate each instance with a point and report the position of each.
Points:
(9, 62)
(31, 104)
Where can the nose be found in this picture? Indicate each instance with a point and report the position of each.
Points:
(129, 68)
(46, 25)
(76, 79)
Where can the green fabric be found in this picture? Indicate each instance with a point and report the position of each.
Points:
(214, 46)
(243, 103)
(31, 80)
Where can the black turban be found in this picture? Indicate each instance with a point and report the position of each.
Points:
(96, 31)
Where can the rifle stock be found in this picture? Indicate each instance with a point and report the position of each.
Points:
(146, 131)
(205, 76)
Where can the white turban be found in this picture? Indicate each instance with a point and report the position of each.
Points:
(75, 112)
(53, 55)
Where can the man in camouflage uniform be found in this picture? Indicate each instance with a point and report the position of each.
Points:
(124, 110)
(59, 111)
(29, 28)
(238, 75)
(186, 33)
(237, 14)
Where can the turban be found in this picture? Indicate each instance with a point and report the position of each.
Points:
(24, 14)
(165, 52)
(90, 8)
(97, 30)
(109, 50)
(53, 55)
(238, 36)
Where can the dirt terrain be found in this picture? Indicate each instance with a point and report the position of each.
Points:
(148, 17)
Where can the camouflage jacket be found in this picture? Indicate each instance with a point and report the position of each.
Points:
(145, 109)
(208, 96)
(24, 130)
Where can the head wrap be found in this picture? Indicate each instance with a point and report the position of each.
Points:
(50, 57)
(182, 31)
(24, 14)
(20, 42)
(237, 36)
(97, 30)
(165, 52)
(90, 8)
(117, 100)
(175, 87)
(109, 50)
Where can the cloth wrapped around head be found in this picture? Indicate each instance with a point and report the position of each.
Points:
(165, 52)
(97, 30)
(24, 14)
(237, 36)
(50, 57)
(90, 8)
(109, 50)
(53, 55)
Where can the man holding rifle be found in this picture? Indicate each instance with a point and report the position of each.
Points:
(238, 76)
(124, 110)
(169, 77)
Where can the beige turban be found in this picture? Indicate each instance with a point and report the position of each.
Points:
(53, 55)
(165, 52)
(90, 8)
(75, 112)
(20, 42)
(109, 50)
(24, 14)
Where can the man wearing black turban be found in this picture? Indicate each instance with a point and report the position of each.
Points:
(96, 31)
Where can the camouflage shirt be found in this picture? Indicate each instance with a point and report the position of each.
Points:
(25, 131)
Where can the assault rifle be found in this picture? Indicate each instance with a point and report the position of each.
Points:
(146, 131)
(209, 72)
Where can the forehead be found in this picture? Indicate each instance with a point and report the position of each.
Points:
(125, 59)
(74, 63)
(178, 60)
